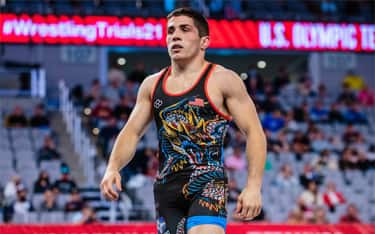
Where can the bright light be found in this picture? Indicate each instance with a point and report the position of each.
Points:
(95, 131)
(261, 64)
(121, 61)
(243, 76)
(87, 111)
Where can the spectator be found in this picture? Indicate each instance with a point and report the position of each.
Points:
(310, 175)
(271, 104)
(280, 145)
(301, 113)
(295, 216)
(236, 161)
(112, 90)
(75, 202)
(324, 162)
(17, 119)
(366, 96)
(42, 183)
(77, 95)
(320, 216)
(274, 122)
(334, 114)
(353, 81)
(11, 188)
(65, 184)
(106, 134)
(86, 216)
(123, 108)
(48, 151)
(350, 134)
(39, 118)
(254, 82)
(318, 140)
(354, 115)
(139, 74)
(94, 94)
(49, 203)
(318, 113)
(300, 144)
(281, 79)
(347, 95)
(130, 89)
(286, 180)
(332, 198)
(351, 215)
(311, 197)
(22, 205)
(102, 111)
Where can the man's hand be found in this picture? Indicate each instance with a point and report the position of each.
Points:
(249, 203)
(106, 186)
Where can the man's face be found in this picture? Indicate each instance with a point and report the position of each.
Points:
(183, 38)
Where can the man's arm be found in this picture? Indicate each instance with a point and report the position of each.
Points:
(126, 142)
(243, 111)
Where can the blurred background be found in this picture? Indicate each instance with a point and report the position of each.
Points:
(70, 71)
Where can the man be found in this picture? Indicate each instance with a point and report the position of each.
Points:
(192, 102)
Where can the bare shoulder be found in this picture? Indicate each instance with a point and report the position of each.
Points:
(224, 76)
(149, 82)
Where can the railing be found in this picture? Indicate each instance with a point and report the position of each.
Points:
(81, 142)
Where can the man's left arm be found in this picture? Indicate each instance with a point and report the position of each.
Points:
(243, 111)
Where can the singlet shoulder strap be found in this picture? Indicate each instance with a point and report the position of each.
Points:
(158, 81)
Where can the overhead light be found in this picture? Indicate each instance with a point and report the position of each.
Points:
(243, 76)
(121, 61)
(261, 64)
(95, 131)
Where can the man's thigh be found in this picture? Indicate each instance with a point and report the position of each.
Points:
(206, 229)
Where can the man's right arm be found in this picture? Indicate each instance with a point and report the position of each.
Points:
(126, 142)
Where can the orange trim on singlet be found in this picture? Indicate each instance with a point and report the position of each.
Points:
(225, 116)
(164, 85)
(155, 85)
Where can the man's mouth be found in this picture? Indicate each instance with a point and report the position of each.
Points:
(176, 47)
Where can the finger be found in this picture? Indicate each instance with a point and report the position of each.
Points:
(239, 206)
(250, 213)
(244, 211)
(118, 183)
(109, 192)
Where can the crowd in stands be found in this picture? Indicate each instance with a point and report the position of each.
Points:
(316, 144)
(317, 131)
(330, 10)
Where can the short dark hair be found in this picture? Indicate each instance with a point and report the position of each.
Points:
(199, 20)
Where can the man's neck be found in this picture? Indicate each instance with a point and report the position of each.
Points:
(179, 69)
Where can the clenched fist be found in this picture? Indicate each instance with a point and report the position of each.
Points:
(106, 186)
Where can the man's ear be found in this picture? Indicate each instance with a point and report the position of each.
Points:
(205, 42)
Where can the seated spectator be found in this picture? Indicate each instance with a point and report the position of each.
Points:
(301, 113)
(320, 216)
(65, 184)
(236, 161)
(48, 151)
(86, 216)
(290, 123)
(102, 111)
(39, 118)
(318, 140)
(16, 119)
(354, 115)
(366, 96)
(351, 215)
(347, 95)
(300, 144)
(42, 183)
(106, 134)
(310, 175)
(139, 73)
(124, 108)
(324, 162)
(22, 204)
(279, 145)
(49, 203)
(271, 104)
(311, 197)
(274, 122)
(286, 180)
(350, 134)
(130, 89)
(318, 113)
(281, 79)
(112, 90)
(11, 188)
(333, 198)
(334, 114)
(305, 88)
(295, 216)
(94, 94)
(75, 202)
(77, 95)
(353, 81)
(371, 155)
